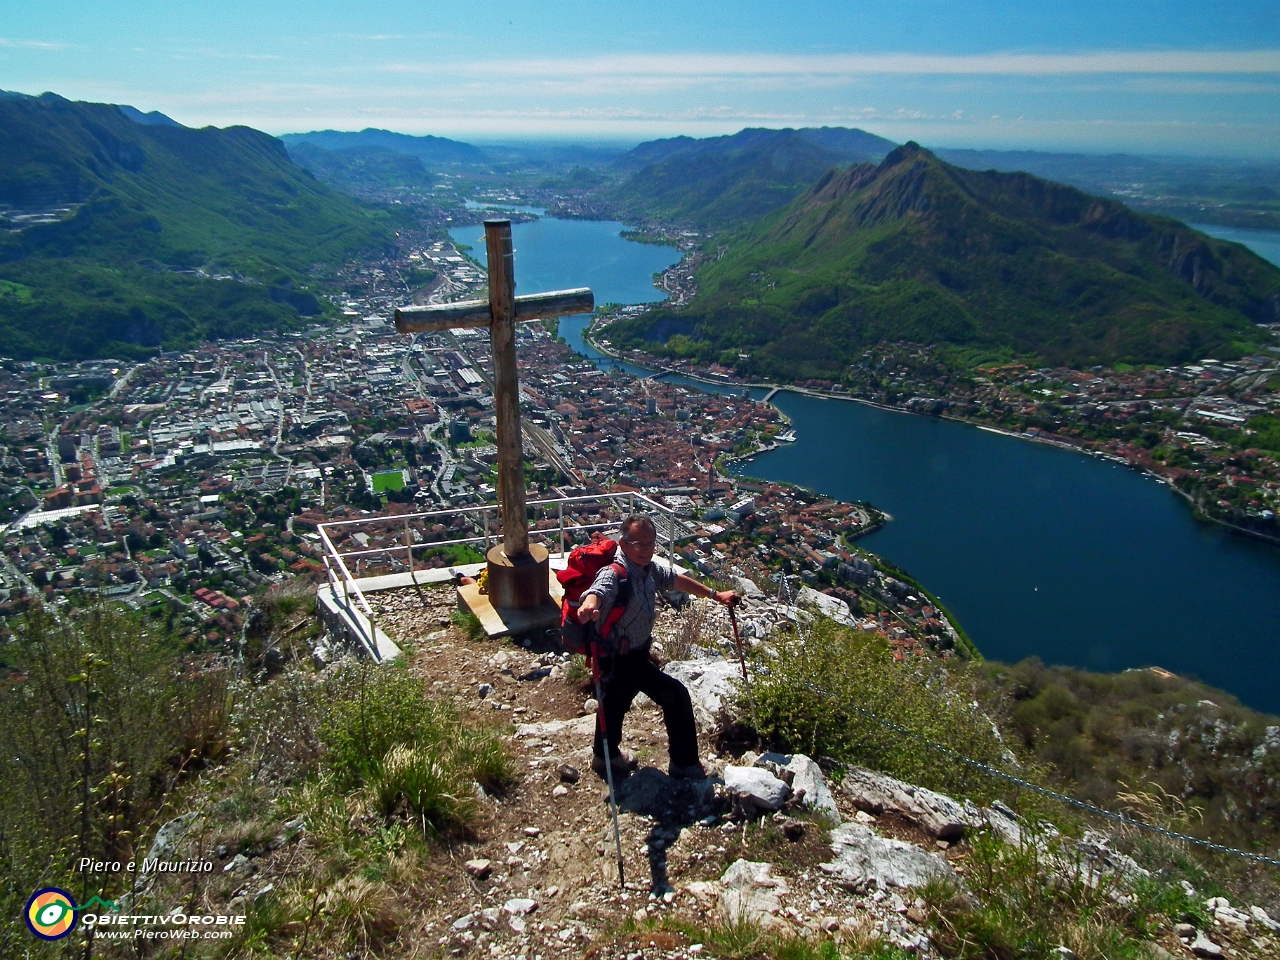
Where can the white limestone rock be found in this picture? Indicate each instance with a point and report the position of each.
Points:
(864, 859)
(1229, 916)
(807, 781)
(712, 684)
(1265, 919)
(1096, 848)
(1001, 819)
(937, 814)
(168, 837)
(837, 610)
(750, 892)
(1202, 946)
(758, 790)
(581, 727)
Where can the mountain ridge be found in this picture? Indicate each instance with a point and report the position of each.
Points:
(713, 189)
(722, 182)
(427, 148)
(110, 224)
(917, 249)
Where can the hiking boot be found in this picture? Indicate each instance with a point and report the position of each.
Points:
(623, 763)
(687, 771)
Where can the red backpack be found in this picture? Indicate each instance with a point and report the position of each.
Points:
(579, 573)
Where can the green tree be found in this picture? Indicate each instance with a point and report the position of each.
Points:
(96, 725)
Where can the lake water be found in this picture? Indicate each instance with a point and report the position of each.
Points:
(1045, 552)
(1037, 551)
(1265, 243)
(555, 254)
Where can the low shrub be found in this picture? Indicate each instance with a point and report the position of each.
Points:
(469, 623)
(812, 695)
(371, 709)
(430, 786)
(412, 755)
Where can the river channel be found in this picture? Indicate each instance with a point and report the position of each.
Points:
(1037, 551)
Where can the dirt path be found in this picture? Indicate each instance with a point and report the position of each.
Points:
(550, 886)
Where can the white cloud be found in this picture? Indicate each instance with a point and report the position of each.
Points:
(711, 65)
(45, 45)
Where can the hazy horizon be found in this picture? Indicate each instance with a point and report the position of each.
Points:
(1146, 77)
(624, 144)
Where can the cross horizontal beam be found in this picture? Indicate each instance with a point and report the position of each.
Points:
(477, 313)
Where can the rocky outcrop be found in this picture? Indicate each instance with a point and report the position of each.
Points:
(864, 859)
(935, 813)
(750, 892)
(826, 606)
(755, 790)
(712, 685)
(808, 785)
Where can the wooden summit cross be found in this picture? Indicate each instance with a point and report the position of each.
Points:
(518, 570)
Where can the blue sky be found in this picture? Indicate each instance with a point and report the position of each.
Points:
(1139, 76)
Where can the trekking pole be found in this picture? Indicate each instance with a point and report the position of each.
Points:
(608, 761)
(742, 662)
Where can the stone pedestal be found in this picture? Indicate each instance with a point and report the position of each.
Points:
(518, 583)
(520, 596)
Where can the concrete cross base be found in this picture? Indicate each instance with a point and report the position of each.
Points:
(518, 582)
(510, 621)
(507, 621)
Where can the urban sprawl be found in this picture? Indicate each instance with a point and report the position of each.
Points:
(185, 484)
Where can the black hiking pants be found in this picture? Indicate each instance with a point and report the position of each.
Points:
(621, 678)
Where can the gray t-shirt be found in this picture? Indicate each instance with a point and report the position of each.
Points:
(635, 626)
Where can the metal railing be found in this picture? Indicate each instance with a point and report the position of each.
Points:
(344, 584)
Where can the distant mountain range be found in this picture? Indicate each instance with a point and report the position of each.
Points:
(121, 231)
(113, 223)
(376, 158)
(725, 181)
(918, 249)
(1240, 193)
(715, 182)
(431, 151)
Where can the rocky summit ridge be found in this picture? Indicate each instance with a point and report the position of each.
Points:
(779, 847)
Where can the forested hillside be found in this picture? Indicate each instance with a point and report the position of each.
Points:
(916, 249)
(720, 182)
(120, 236)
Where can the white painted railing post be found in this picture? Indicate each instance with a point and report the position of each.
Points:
(336, 561)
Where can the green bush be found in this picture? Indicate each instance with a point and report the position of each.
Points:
(372, 709)
(1164, 749)
(482, 754)
(98, 723)
(469, 623)
(810, 698)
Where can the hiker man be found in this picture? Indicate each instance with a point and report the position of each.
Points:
(625, 666)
